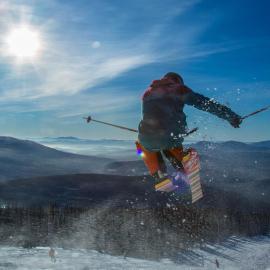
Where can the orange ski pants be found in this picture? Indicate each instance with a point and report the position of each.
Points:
(155, 162)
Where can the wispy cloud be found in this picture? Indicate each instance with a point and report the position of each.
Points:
(69, 64)
(102, 101)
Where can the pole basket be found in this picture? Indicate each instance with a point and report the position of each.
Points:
(88, 119)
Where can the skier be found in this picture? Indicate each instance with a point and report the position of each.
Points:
(217, 263)
(51, 254)
(164, 122)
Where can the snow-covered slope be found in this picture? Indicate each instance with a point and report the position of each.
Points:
(235, 253)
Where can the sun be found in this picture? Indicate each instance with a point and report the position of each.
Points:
(23, 43)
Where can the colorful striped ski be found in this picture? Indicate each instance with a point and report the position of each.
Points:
(187, 181)
(166, 186)
(191, 164)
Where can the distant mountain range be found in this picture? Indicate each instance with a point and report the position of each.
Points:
(116, 149)
(233, 146)
(79, 140)
(264, 144)
(24, 159)
(125, 149)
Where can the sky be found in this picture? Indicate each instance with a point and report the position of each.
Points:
(97, 58)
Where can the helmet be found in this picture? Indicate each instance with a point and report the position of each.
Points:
(174, 76)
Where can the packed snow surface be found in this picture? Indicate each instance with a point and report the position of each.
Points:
(233, 254)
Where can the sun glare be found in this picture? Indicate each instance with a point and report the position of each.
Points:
(23, 43)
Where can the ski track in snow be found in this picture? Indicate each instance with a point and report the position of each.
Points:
(236, 253)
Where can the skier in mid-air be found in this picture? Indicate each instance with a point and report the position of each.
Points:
(163, 124)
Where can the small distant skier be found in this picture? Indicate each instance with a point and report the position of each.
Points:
(217, 263)
(164, 122)
(52, 255)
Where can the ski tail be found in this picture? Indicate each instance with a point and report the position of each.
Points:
(191, 163)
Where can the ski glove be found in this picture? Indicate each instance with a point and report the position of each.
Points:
(235, 122)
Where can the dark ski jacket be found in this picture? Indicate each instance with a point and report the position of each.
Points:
(163, 120)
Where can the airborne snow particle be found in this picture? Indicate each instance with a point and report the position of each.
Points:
(96, 44)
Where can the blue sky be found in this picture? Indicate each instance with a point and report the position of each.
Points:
(97, 58)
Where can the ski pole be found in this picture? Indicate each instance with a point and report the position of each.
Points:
(253, 113)
(89, 119)
(190, 132)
